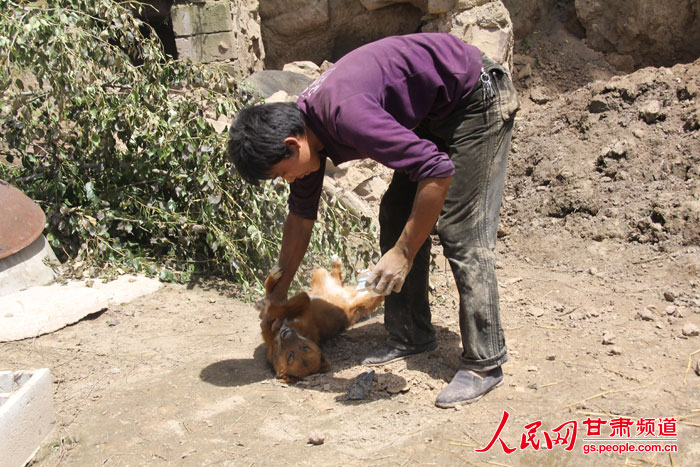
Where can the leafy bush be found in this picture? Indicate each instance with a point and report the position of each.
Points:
(118, 146)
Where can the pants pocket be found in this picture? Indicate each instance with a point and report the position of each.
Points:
(508, 96)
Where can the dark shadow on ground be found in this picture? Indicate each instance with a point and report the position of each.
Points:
(344, 351)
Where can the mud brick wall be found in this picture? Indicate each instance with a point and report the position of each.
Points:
(203, 31)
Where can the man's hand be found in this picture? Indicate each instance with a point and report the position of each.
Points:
(390, 273)
(392, 269)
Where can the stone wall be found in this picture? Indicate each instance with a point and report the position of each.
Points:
(257, 34)
(220, 31)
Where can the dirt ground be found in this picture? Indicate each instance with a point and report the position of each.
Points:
(599, 262)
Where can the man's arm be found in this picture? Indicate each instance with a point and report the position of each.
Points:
(392, 269)
(295, 240)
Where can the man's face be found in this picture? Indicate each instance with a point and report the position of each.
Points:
(301, 163)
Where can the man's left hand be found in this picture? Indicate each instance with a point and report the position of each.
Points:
(390, 273)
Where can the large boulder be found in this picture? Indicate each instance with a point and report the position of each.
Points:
(320, 29)
(651, 32)
(525, 14)
(483, 23)
(327, 29)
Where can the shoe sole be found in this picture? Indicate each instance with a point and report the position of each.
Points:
(470, 401)
(402, 357)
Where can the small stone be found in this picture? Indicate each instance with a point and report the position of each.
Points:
(651, 112)
(615, 350)
(316, 438)
(690, 330)
(645, 315)
(540, 95)
(671, 310)
(669, 296)
(360, 386)
(532, 368)
(398, 387)
(608, 338)
(697, 368)
(551, 357)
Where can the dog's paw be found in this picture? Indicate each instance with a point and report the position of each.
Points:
(276, 272)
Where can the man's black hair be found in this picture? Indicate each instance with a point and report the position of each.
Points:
(256, 138)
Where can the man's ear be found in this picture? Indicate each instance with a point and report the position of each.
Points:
(292, 143)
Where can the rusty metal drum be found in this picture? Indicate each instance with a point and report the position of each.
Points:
(21, 220)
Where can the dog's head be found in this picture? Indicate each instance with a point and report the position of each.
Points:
(296, 357)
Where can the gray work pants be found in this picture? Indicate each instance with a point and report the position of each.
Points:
(476, 136)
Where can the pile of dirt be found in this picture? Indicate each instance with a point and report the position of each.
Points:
(612, 160)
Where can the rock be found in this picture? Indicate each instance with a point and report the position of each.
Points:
(651, 112)
(621, 62)
(317, 30)
(660, 33)
(305, 67)
(371, 189)
(527, 13)
(645, 315)
(540, 95)
(268, 82)
(398, 387)
(669, 296)
(615, 350)
(280, 96)
(551, 357)
(690, 330)
(316, 438)
(483, 23)
(360, 386)
(608, 338)
(697, 368)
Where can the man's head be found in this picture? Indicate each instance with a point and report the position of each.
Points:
(260, 137)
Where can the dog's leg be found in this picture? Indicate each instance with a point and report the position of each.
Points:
(293, 307)
(337, 269)
(362, 305)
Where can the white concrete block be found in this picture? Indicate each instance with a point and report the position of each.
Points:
(26, 414)
(27, 267)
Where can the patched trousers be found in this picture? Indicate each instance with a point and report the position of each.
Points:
(476, 136)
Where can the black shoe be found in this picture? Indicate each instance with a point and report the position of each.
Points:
(388, 354)
(468, 386)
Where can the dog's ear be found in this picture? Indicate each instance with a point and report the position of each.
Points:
(293, 307)
(325, 366)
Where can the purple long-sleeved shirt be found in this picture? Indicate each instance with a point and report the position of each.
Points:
(368, 103)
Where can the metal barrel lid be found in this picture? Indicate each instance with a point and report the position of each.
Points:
(21, 220)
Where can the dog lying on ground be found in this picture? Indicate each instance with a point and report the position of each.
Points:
(294, 330)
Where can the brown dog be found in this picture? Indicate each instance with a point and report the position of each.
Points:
(294, 330)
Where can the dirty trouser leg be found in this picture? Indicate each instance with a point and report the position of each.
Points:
(407, 313)
(478, 133)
